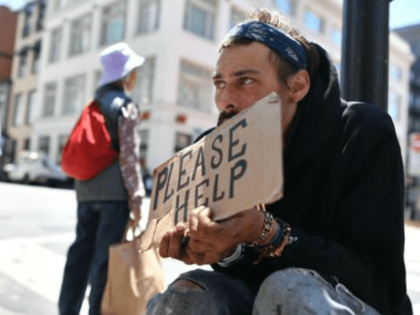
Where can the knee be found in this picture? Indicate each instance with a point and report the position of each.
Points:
(288, 288)
(280, 285)
(187, 284)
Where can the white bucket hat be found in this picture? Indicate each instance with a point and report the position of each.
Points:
(117, 62)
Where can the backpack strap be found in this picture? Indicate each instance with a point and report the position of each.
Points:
(111, 105)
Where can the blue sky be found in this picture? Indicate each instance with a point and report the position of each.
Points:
(402, 12)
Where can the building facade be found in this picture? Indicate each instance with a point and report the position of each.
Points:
(179, 40)
(8, 20)
(26, 66)
(412, 35)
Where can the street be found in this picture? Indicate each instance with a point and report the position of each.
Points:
(37, 226)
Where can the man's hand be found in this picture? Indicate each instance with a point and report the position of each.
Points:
(210, 241)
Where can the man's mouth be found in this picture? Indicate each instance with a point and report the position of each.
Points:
(223, 116)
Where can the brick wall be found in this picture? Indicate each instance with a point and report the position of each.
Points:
(8, 20)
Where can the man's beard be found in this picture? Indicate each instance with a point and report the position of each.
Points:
(223, 116)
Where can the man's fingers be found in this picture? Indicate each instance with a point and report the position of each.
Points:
(195, 214)
(205, 224)
(164, 244)
(174, 246)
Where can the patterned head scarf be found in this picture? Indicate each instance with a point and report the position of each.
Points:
(286, 46)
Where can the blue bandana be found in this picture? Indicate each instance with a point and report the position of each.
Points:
(286, 46)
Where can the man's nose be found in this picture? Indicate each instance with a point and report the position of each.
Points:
(226, 100)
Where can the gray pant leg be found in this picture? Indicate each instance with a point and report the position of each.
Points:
(221, 295)
(305, 292)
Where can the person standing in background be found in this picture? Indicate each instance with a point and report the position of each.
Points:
(105, 202)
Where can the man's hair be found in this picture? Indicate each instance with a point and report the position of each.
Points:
(284, 69)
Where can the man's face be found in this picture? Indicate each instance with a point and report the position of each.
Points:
(244, 75)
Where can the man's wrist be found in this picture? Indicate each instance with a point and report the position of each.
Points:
(233, 258)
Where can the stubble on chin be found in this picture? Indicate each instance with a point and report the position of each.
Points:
(224, 116)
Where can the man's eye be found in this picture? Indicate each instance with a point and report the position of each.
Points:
(219, 84)
(246, 81)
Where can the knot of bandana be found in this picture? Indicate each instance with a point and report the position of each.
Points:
(285, 45)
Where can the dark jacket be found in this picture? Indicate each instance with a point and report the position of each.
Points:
(343, 197)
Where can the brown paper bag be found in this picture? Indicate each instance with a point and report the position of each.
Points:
(133, 278)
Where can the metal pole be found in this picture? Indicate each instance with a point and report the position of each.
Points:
(365, 50)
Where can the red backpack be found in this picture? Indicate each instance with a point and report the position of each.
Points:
(88, 150)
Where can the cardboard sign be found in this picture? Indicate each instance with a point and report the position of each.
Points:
(235, 167)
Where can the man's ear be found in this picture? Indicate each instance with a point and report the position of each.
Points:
(298, 85)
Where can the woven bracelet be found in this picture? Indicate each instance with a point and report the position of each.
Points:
(266, 230)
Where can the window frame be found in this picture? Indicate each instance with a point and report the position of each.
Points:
(146, 73)
(19, 110)
(200, 78)
(309, 24)
(145, 28)
(290, 11)
(56, 37)
(210, 23)
(48, 110)
(105, 23)
(80, 35)
(30, 105)
(72, 101)
(22, 64)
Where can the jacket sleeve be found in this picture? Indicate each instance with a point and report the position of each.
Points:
(367, 254)
(129, 157)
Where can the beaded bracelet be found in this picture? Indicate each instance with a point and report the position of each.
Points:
(277, 244)
(266, 230)
(271, 250)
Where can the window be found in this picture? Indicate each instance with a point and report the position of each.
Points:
(182, 141)
(27, 144)
(236, 17)
(142, 93)
(19, 110)
(49, 99)
(74, 95)
(61, 142)
(27, 19)
(55, 45)
(395, 73)
(314, 22)
(41, 15)
(35, 58)
(394, 105)
(200, 17)
(44, 144)
(3, 102)
(80, 35)
(194, 87)
(30, 107)
(12, 151)
(23, 61)
(286, 7)
(149, 15)
(336, 36)
(113, 23)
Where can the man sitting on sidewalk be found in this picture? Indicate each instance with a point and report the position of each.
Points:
(334, 243)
